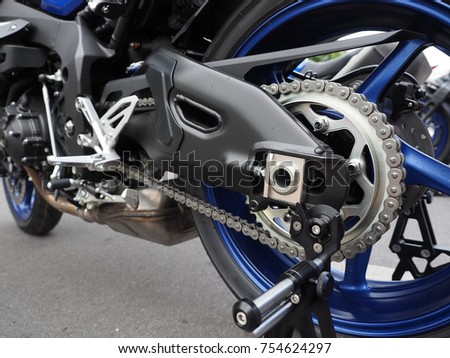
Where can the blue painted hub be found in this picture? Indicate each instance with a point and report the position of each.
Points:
(22, 208)
(359, 306)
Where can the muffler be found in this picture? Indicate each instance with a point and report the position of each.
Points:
(157, 219)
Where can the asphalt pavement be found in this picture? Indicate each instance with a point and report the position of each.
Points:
(84, 280)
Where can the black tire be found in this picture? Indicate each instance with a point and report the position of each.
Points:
(42, 219)
(238, 27)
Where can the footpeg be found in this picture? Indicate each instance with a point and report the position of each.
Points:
(61, 184)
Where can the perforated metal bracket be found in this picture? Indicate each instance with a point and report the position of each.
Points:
(106, 131)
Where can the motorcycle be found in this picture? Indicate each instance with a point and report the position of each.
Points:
(187, 117)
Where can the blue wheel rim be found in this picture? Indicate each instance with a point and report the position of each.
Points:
(359, 306)
(24, 208)
(440, 133)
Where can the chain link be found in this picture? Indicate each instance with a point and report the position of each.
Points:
(394, 189)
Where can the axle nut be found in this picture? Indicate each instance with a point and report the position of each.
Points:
(284, 179)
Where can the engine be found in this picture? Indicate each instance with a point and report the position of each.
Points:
(24, 152)
(23, 137)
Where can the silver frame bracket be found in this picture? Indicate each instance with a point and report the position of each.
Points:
(106, 131)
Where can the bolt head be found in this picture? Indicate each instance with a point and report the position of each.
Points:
(297, 226)
(338, 256)
(318, 248)
(316, 230)
(295, 299)
(355, 167)
(254, 205)
(425, 253)
(241, 319)
(69, 127)
(321, 124)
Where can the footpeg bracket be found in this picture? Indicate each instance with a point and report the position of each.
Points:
(106, 131)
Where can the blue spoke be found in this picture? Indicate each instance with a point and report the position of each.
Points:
(422, 169)
(393, 66)
(355, 273)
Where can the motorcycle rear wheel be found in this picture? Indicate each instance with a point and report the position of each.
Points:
(363, 307)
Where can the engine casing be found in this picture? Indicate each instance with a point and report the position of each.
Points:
(23, 136)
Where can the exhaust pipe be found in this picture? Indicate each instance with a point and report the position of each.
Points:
(62, 204)
(157, 219)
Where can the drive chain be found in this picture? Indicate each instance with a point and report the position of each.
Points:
(394, 161)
